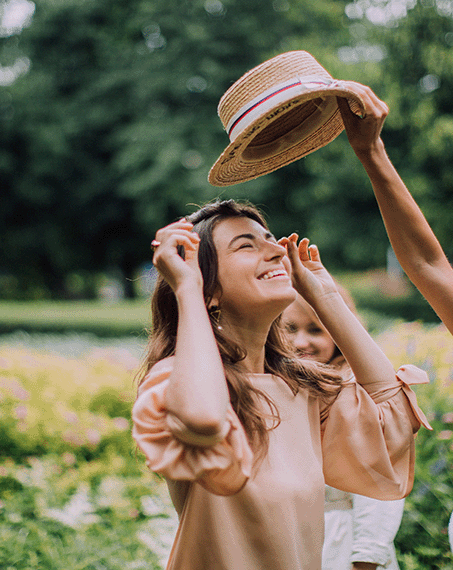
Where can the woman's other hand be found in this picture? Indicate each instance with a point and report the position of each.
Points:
(310, 278)
(174, 269)
(364, 134)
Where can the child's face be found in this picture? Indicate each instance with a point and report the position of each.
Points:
(306, 332)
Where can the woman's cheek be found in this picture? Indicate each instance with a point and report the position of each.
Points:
(287, 265)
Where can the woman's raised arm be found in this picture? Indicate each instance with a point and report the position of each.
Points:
(413, 241)
(197, 394)
(310, 278)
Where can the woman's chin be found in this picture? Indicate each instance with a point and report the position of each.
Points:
(279, 305)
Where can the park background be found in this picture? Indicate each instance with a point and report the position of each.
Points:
(108, 128)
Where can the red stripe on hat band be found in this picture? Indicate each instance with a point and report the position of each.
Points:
(245, 113)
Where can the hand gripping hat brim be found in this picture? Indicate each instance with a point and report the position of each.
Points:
(276, 113)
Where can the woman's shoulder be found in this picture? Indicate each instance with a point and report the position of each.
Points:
(166, 364)
(157, 373)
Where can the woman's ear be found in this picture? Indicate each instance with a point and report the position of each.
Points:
(214, 302)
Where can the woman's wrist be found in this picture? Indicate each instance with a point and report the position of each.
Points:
(373, 154)
(327, 303)
(188, 287)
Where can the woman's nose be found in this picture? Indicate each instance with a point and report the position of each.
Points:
(275, 250)
(301, 341)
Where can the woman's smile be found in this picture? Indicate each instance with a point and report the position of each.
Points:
(274, 273)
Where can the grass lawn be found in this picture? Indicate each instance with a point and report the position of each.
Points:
(105, 319)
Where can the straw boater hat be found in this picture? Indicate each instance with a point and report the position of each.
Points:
(276, 113)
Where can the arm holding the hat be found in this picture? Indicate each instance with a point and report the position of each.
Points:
(413, 241)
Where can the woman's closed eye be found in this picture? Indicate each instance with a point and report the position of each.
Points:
(315, 330)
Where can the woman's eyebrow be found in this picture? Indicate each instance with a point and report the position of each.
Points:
(267, 235)
(246, 236)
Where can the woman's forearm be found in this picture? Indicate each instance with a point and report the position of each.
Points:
(413, 241)
(411, 237)
(197, 394)
(367, 361)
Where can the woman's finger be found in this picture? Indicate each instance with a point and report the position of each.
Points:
(314, 253)
(374, 108)
(303, 250)
(368, 96)
(291, 248)
(166, 235)
(171, 244)
(180, 224)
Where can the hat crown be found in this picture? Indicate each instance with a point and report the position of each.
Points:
(293, 64)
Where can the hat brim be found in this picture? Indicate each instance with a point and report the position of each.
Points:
(253, 153)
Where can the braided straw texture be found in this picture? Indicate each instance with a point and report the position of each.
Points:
(264, 76)
(238, 170)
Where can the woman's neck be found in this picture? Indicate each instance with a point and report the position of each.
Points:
(252, 340)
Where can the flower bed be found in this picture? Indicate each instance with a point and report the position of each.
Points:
(74, 491)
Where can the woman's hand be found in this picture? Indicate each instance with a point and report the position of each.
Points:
(364, 134)
(174, 269)
(310, 278)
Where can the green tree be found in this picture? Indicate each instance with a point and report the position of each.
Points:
(113, 130)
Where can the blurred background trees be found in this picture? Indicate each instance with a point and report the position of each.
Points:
(108, 127)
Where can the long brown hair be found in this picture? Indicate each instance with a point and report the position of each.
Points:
(280, 360)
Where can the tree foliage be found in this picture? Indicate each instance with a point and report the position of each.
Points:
(113, 130)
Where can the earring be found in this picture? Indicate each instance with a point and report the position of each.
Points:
(215, 313)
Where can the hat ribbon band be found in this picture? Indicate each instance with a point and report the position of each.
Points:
(270, 98)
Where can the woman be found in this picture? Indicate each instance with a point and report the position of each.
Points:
(359, 531)
(242, 430)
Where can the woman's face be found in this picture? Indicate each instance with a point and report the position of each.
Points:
(306, 332)
(254, 272)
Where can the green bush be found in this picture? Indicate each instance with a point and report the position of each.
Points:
(74, 493)
(53, 404)
(422, 541)
(57, 512)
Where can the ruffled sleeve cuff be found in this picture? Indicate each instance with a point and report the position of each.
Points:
(221, 463)
(406, 376)
(368, 437)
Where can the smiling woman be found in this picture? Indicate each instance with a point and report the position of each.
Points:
(243, 430)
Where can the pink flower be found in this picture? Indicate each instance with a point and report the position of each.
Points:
(448, 418)
(68, 458)
(73, 438)
(15, 388)
(20, 412)
(93, 436)
(445, 434)
(70, 416)
(121, 424)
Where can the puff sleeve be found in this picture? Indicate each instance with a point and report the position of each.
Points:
(221, 463)
(368, 436)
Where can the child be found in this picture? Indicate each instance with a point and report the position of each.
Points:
(358, 530)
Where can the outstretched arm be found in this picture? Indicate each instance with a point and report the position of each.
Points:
(412, 239)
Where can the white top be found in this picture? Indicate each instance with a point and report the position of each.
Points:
(360, 529)
(450, 532)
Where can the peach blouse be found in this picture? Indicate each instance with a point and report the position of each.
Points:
(234, 516)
